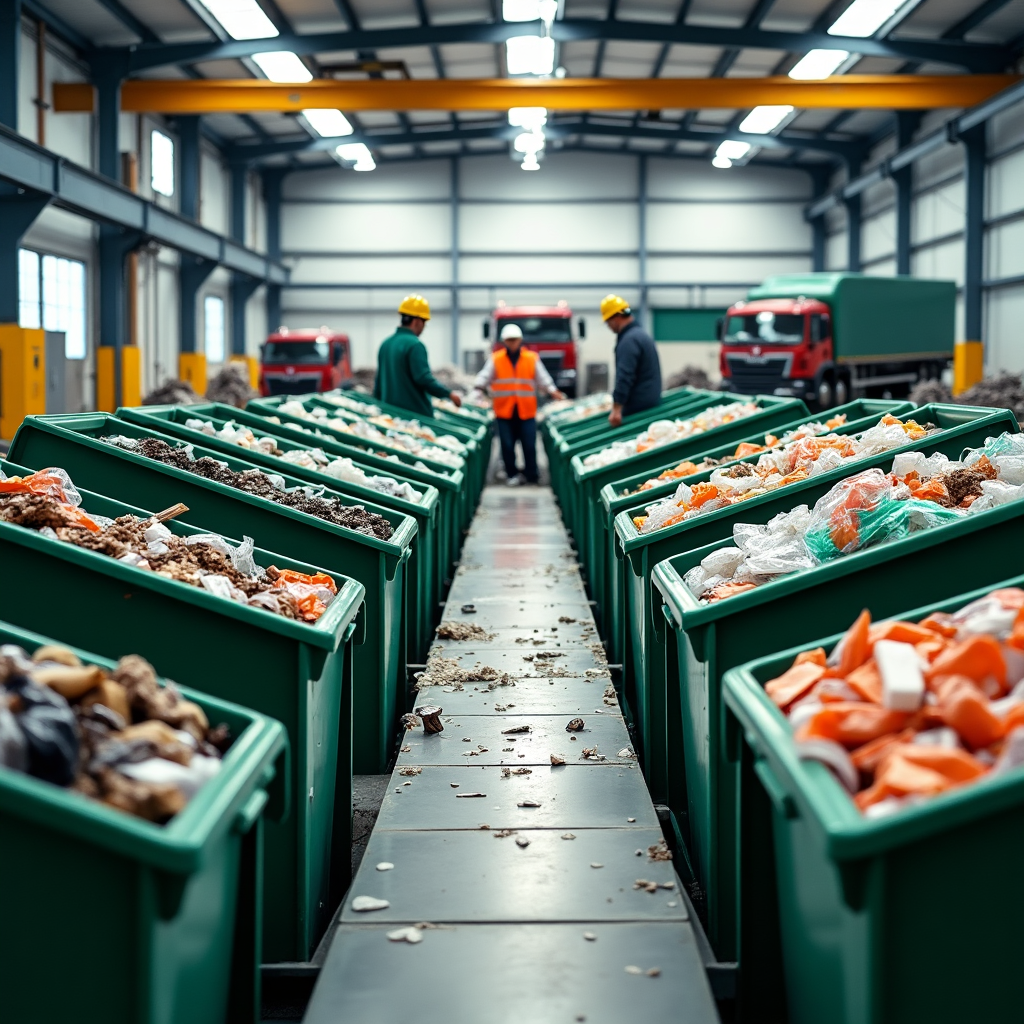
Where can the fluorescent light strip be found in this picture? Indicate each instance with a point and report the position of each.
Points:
(530, 55)
(818, 64)
(282, 66)
(863, 18)
(530, 118)
(328, 123)
(241, 19)
(765, 119)
(358, 152)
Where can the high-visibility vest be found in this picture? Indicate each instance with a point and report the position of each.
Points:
(515, 388)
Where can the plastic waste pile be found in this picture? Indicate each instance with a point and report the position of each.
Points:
(417, 429)
(308, 499)
(308, 458)
(798, 459)
(366, 431)
(115, 737)
(662, 432)
(572, 410)
(743, 449)
(902, 711)
(342, 401)
(48, 502)
(231, 386)
(860, 511)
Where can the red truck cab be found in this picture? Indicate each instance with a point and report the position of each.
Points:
(297, 362)
(548, 331)
(771, 342)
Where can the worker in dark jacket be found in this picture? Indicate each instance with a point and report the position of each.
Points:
(637, 367)
(403, 372)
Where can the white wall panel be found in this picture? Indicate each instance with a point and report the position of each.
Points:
(1006, 129)
(835, 251)
(416, 270)
(570, 176)
(939, 212)
(696, 181)
(722, 269)
(377, 227)
(877, 198)
(884, 268)
(420, 180)
(724, 227)
(1006, 184)
(1005, 314)
(575, 227)
(1005, 251)
(878, 236)
(215, 190)
(944, 262)
(604, 271)
(938, 166)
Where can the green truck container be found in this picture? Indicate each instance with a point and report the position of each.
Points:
(701, 642)
(962, 427)
(588, 481)
(620, 495)
(828, 337)
(422, 576)
(295, 672)
(73, 443)
(168, 919)
(864, 938)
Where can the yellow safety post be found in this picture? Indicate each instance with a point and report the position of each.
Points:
(131, 378)
(252, 365)
(968, 365)
(192, 368)
(22, 376)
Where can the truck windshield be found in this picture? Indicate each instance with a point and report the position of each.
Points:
(540, 328)
(771, 327)
(296, 352)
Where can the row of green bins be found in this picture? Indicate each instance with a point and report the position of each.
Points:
(467, 457)
(866, 936)
(423, 580)
(624, 493)
(171, 924)
(588, 481)
(73, 443)
(295, 672)
(961, 427)
(334, 438)
(703, 641)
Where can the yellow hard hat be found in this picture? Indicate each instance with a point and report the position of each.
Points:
(415, 305)
(612, 304)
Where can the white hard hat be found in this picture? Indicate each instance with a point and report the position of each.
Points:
(511, 331)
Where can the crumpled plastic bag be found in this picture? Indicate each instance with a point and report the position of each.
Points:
(13, 745)
(50, 730)
(188, 778)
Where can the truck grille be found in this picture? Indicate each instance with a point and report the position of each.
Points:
(552, 362)
(757, 375)
(297, 385)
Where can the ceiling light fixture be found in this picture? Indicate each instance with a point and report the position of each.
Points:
(818, 64)
(863, 18)
(358, 153)
(328, 123)
(729, 152)
(765, 119)
(530, 55)
(241, 19)
(529, 10)
(530, 162)
(282, 66)
(529, 142)
(530, 118)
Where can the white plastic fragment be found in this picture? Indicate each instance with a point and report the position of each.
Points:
(361, 904)
(385, 865)
(411, 935)
(902, 680)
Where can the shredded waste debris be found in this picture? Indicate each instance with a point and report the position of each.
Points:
(462, 631)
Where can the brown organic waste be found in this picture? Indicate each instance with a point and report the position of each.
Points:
(410, 770)
(447, 672)
(515, 729)
(255, 481)
(504, 833)
(431, 716)
(522, 842)
(557, 759)
(646, 886)
(659, 851)
(103, 728)
(462, 631)
(576, 725)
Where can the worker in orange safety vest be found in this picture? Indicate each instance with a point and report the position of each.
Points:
(513, 374)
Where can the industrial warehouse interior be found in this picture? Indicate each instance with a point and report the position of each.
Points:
(511, 510)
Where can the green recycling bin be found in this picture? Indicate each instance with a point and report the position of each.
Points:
(864, 938)
(624, 493)
(962, 427)
(73, 442)
(703, 641)
(298, 673)
(168, 916)
(422, 578)
(342, 438)
(588, 480)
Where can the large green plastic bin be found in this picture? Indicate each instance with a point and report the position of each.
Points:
(587, 482)
(298, 673)
(149, 924)
(422, 578)
(455, 477)
(620, 494)
(963, 427)
(867, 937)
(705, 641)
(72, 442)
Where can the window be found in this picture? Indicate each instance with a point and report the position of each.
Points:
(52, 296)
(162, 160)
(213, 328)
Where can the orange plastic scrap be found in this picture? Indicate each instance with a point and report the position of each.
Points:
(836, 421)
(956, 764)
(638, 521)
(50, 484)
(794, 683)
(852, 723)
(901, 632)
(899, 777)
(868, 757)
(746, 448)
(815, 657)
(1009, 597)
(977, 658)
(866, 682)
(941, 623)
(319, 579)
(724, 590)
(967, 710)
(855, 646)
(931, 490)
(702, 493)
(770, 441)
(1016, 637)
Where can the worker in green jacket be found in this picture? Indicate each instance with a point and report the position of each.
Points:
(403, 373)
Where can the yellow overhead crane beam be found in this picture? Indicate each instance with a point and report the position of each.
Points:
(245, 96)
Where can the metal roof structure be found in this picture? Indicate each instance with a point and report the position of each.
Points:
(425, 39)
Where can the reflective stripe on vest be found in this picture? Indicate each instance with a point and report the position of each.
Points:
(510, 391)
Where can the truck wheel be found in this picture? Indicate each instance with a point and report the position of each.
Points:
(842, 391)
(825, 393)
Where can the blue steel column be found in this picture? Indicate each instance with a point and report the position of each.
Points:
(642, 238)
(853, 221)
(10, 44)
(906, 124)
(189, 152)
(974, 230)
(242, 285)
(455, 259)
(17, 212)
(272, 197)
(192, 272)
(115, 244)
(107, 77)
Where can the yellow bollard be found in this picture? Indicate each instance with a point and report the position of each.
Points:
(22, 376)
(192, 368)
(968, 365)
(131, 378)
(252, 365)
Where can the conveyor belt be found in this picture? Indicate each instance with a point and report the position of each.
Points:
(544, 924)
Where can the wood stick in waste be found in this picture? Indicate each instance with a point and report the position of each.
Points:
(170, 513)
